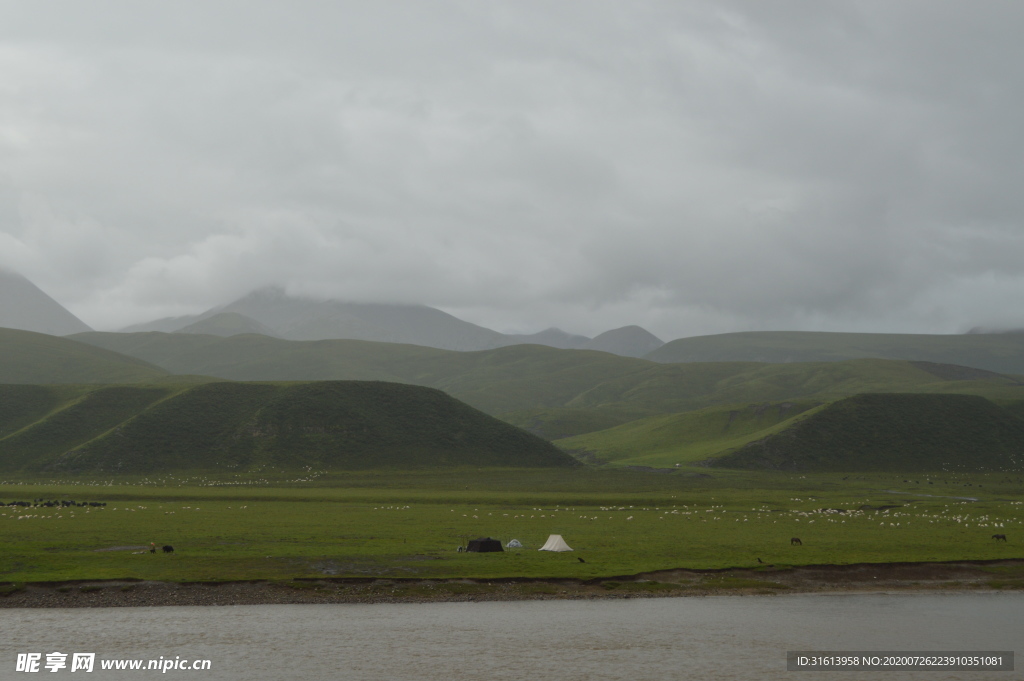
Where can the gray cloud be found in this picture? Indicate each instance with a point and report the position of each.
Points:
(690, 167)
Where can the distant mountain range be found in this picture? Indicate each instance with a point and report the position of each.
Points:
(272, 312)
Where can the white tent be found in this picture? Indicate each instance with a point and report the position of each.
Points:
(555, 543)
(514, 544)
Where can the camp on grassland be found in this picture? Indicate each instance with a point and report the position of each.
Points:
(555, 543)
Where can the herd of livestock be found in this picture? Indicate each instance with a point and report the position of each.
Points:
(48, 503)
(67, 503)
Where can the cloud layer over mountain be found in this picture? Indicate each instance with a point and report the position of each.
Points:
(688, 167)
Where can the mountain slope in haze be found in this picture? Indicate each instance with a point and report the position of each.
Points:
(895, 432)
(226, 324)
(23, 306)
(553, 338)
(29, 357)
(327, 425)
(629, 341)
(1002, 353)
(576, 391)
(297, 318)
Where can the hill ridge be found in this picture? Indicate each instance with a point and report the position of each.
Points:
(1001, 353)
(894, 431)
(527, 383)
(228, 426)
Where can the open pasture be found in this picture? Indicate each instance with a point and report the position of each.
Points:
(412, 527)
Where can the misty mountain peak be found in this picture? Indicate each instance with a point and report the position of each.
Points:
(24, 306)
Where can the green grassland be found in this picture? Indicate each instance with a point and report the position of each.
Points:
(408, 525)
(295, 474)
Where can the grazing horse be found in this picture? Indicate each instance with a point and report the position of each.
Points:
(999, 537)
(795, 541)
(168, 549)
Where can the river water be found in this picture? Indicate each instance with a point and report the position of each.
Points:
(718, 637)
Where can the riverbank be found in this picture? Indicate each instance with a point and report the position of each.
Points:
(767, 579)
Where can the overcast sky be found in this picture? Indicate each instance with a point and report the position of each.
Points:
(692, 167)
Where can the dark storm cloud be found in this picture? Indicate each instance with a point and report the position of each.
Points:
(691, 167)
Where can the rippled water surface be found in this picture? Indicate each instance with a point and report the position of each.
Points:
(724, 637)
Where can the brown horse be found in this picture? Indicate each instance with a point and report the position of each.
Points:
(795, 541)
(999, 537)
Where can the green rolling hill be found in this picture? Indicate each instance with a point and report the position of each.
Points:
(687, 438)
(895, 432)
(999, 352)
(89, 415)
(611, 409)
(245, 427)
(23, 405)
(555, 393)
(866, 432)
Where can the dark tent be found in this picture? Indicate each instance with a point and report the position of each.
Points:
(484, 545)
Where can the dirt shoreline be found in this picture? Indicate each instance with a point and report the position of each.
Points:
(878, 577)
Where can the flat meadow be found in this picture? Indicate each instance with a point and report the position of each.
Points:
(409, 525)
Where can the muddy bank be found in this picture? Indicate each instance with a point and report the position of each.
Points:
(767, 579)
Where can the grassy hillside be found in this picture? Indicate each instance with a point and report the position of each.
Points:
(21, 405)
(556, 393)
(1002, 353)
(663, 441)
(77, 421)
(28, 357)
(895, 432)
(253, 426)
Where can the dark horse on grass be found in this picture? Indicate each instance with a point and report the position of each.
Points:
(795, 541)
(999, 537)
